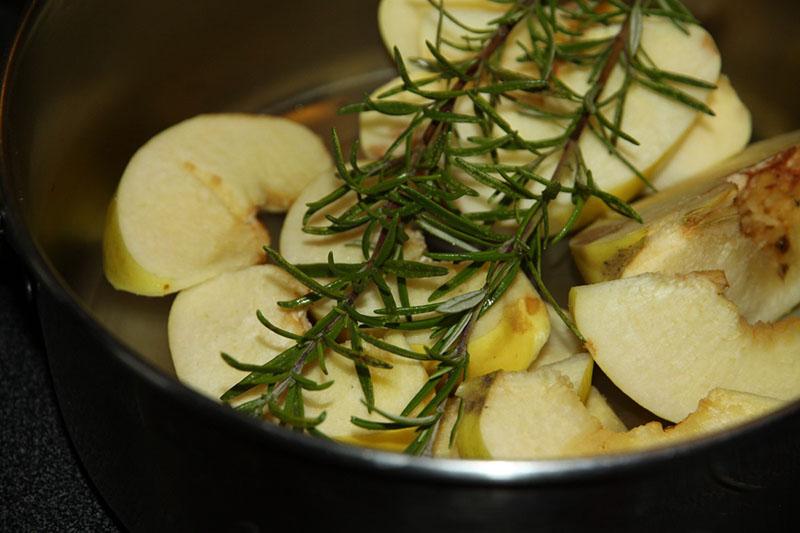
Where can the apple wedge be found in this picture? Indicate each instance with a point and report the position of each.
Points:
(509, 336)
(537, 415)
(393, 389)
(521, 415)
(743, 217)
(598, 407)
(408, 24)
(718, 411)
(299, 247)
(441, 440)
(578, 370)
(379, 131)
(667, 340)
(710, 140)
(560, 345)
(220, 316)
(185, 208)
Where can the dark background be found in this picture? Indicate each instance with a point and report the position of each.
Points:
(42, 486)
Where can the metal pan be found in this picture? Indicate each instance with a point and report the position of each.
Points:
(87, 82)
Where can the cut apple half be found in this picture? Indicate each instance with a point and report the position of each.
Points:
(185, 208)
(743, 217)
(710, 140)
(537, 415)
(220, 316)
(667, 340)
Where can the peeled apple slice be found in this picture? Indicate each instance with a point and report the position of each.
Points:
(710, 140)
(220, 316)
(742, 217)
(537, 415)
(596, 405)
(185, 208)
(666, 341)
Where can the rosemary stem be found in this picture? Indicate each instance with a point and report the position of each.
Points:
(568, 154)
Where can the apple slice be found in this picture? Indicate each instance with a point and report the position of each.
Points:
(710, 140)
(560, 345)
(378, 131)
(666, 341)
(718, 411)
(393, 389)
(407, 24)
(185, 209)
(220, 315)
(655, 121)
(537, 415)
(509, 336)
(441, 441)
(742, 217)
(300, 247)
(521, 415)
(578, 370)
(598, 407)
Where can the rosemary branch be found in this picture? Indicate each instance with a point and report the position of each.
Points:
(419, 189)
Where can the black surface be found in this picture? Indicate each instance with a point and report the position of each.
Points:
(42, 486)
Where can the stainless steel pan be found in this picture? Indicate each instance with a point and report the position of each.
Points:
(88, 81)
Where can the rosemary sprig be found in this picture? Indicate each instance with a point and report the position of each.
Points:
(421, 189)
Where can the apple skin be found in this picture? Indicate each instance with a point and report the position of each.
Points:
(508, 336)
(667, 340)
(741, 217)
